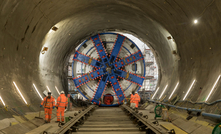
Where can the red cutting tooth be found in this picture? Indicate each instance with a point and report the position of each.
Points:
(115, 83)
(118, 89)
(98, 73)
(134, 57)
(128, 60)
(112, 77)
(75, 55)
(122, 62)
(140, 55)
(101, 50)
(95, 38)
(115, 65)
(98, 44)
(103, 56)
(120, 95)
(80, 81)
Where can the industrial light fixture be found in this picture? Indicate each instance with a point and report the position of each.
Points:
(48, 89)
(2, 101)
(37, 91)
(20, 93)
(54, 28)
(155, 92)
(57, 90)
(189, 90)
(195, 21)
(163, 91)
(44, 50)
(213, 87)
(174, 90)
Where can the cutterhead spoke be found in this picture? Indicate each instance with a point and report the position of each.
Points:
(117, 47)
(134, 78)
(85, 78)
(100, 89)
(100, 48)
(117, 88)
(87, 60)
(128, 60)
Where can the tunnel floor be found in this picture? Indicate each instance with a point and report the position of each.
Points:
(110, 120)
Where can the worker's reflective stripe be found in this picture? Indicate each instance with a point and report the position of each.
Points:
(62, 106)
(62, 102)
(50, 102)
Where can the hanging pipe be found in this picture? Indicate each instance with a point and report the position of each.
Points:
(212, 103)
(216, 116)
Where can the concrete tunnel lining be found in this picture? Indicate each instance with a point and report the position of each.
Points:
(20, 61)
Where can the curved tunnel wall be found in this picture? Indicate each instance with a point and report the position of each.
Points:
(24, 25)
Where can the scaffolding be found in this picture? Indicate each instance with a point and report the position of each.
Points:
(151, 75)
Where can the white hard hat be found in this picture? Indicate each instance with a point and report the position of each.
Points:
(62, 92)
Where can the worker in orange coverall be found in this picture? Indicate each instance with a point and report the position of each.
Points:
(134, 99)
(61, 105)
(48, 103)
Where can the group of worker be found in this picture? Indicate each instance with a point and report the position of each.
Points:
(49, 103)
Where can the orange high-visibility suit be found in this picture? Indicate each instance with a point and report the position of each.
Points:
(135, 99)
(48, 105)
(62, 102)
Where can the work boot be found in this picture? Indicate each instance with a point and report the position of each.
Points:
(57, 121)
(46, 121)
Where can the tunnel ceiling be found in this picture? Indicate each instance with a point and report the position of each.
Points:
(25, 24)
